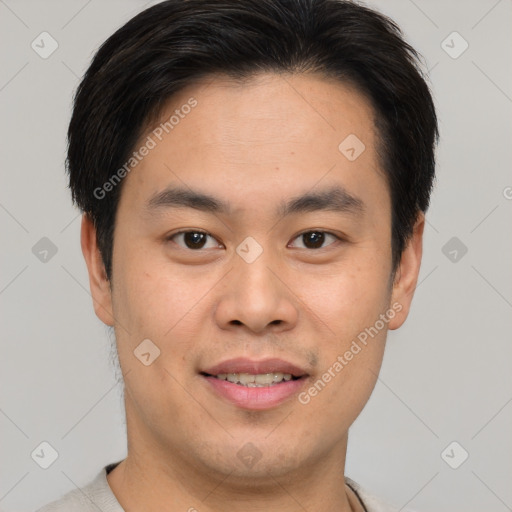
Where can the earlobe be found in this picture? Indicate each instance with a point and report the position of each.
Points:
(407, 274)
(98, 281)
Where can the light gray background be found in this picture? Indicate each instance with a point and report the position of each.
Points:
(446, 374)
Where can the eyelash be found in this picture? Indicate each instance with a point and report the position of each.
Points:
(338, 238)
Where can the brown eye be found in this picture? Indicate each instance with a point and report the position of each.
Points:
(193, 240)
(315, 239)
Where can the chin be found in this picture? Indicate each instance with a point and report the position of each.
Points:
(254, 462)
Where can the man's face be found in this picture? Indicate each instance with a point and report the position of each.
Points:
(300, 287)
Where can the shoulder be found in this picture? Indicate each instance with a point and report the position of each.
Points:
(73, 501)
(373, 503)
(95, 496)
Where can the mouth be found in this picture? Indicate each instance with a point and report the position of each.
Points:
(255, 385)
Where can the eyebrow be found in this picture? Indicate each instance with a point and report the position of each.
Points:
(335, 198)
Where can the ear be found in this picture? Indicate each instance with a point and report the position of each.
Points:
(407, 273)
(98, 281)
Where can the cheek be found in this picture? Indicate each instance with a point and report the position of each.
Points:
(151, 295)
(351, 348)
(347, 301)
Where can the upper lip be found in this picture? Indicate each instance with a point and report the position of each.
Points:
(245, 365)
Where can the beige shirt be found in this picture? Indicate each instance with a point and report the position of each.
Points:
(97, 496)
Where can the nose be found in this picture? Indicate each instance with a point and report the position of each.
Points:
(257, 295)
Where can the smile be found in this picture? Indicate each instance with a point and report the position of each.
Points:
(255, 381)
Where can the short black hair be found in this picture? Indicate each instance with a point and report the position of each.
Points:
(173, 44)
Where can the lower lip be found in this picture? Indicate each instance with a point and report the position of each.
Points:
(256, 398)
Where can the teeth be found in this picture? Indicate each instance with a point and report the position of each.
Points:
(255, 381)
(245, 378)
(265, 378)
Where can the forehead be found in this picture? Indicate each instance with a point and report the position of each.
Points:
(272, 108)
(260, 137)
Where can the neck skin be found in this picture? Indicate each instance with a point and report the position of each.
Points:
(149, 479)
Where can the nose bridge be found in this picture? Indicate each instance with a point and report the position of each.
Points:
(253, 278)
